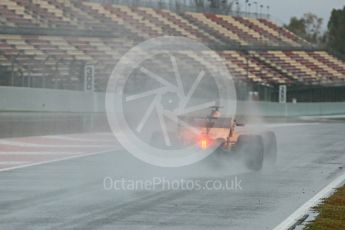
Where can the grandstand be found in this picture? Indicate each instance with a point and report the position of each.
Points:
(47, 43)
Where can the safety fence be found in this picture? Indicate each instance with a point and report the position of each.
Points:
(19, 99)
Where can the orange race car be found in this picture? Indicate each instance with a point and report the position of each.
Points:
(253, 149)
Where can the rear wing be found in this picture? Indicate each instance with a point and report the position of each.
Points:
(202, 122)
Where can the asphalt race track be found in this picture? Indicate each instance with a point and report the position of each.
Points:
(70, 194)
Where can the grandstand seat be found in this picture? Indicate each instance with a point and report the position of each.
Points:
(37, 54)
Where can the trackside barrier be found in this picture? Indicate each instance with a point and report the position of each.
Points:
(19, 99)
(271, 109)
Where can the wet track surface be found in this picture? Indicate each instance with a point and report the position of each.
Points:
(71, 195)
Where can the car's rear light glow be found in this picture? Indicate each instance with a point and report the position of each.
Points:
(203, 144)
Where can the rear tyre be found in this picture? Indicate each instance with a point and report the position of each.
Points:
(270, 148)
(250, 148)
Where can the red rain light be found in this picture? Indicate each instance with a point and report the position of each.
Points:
(204, 142)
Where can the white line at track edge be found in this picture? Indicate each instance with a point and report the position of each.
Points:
(57, 160)
(315, 200)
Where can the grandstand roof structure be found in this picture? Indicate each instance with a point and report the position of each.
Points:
(48, 42)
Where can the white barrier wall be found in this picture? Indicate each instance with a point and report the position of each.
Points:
(290, 109)
(50, 100)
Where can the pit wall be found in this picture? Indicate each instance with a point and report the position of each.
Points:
(271, 109)
(20, 99)
(17, 99)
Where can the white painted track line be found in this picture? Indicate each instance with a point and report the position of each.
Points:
(24, 144)
(29, 151)
(57, 160)
(36, 153)
(68, 138)
(301, 211)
